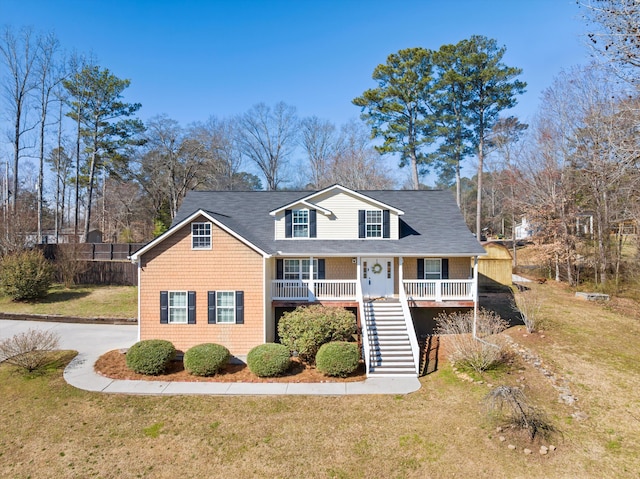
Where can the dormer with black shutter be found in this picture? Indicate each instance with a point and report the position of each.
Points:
(336, 213)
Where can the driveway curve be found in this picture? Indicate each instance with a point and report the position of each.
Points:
(93, 340)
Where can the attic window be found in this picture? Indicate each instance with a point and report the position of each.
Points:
(200, 235)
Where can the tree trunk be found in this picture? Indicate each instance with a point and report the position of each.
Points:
(479, 193)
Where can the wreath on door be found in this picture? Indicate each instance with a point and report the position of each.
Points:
(376, 268)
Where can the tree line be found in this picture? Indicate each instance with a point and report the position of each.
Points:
(432, 110)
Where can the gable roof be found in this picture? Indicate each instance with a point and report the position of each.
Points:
(432, 224)
(308, 200)
(177, 226)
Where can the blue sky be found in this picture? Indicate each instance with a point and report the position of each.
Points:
(193, 59)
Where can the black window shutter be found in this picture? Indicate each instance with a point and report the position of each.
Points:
(362, 233)
(321, 269)
(420, 268)
(279, 269)
(312, 224)
(211, 307)
(445, 268)
(288, 224)
(164, 307)
(386, 224)
(191, 307)
(239, 307)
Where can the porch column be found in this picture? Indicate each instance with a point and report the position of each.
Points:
(400, 275)
(474, 288)
(312, 284)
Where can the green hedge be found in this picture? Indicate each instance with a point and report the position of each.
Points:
(338, 358)
(309, 327)
(150, 357)
(268, 360)
(206, 359)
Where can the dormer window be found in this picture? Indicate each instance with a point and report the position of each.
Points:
(374, 224)
(300, 223)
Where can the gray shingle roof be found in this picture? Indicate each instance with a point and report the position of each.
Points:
(431, 226)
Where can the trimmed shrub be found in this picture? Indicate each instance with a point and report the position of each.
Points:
(206, 359)
(338, 358)
(150, 357)
(26, 275)
(268, 360)
(309, 327)
(29, 350)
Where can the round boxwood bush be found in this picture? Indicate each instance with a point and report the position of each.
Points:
(151, 356)
(268, 360)
(206, 359)
(338, 358)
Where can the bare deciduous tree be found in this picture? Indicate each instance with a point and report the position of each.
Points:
(19, 53)
(267, 137)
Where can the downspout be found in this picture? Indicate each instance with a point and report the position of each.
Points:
(139, 275)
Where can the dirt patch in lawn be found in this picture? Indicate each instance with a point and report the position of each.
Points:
(113, 365)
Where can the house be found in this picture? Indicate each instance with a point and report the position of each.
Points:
(524, 229)
(233, 262)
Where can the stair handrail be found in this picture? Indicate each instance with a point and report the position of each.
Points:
(411, 330)
(365, 331)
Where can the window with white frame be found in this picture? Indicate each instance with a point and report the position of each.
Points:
(200, 235)
(374, 224)
(226, 307)
(300, 223)
(432, 268)
(298, 269)
(178, 304)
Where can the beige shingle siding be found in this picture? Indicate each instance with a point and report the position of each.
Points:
(230, 265)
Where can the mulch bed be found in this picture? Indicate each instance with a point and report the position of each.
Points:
(113, 365)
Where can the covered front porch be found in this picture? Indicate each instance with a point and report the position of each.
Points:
(375, 278)
(389, 341)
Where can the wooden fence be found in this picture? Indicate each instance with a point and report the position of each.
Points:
(103, 263)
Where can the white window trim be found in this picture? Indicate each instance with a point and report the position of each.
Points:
(367, 224)
(194, 236)
(439, 260)
(226, 308)
(172, 309)
(294, 224)
(300, 271)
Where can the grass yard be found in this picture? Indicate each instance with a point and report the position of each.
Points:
(81, 300)
(50, 429)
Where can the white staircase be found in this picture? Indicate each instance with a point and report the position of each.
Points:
(390, 353)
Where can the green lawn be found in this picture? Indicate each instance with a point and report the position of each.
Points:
(50, 429)
(82, 300)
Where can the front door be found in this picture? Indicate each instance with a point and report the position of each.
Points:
(377, 277)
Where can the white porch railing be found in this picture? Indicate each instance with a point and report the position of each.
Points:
(439, 290)
(329, 289)
(411, 330)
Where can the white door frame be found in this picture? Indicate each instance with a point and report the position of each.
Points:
(377, 275)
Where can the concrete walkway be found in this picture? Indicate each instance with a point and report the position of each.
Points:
(93, 340)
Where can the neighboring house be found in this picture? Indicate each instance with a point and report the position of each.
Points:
(233, 262)
(66, 235)
(524, 229)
